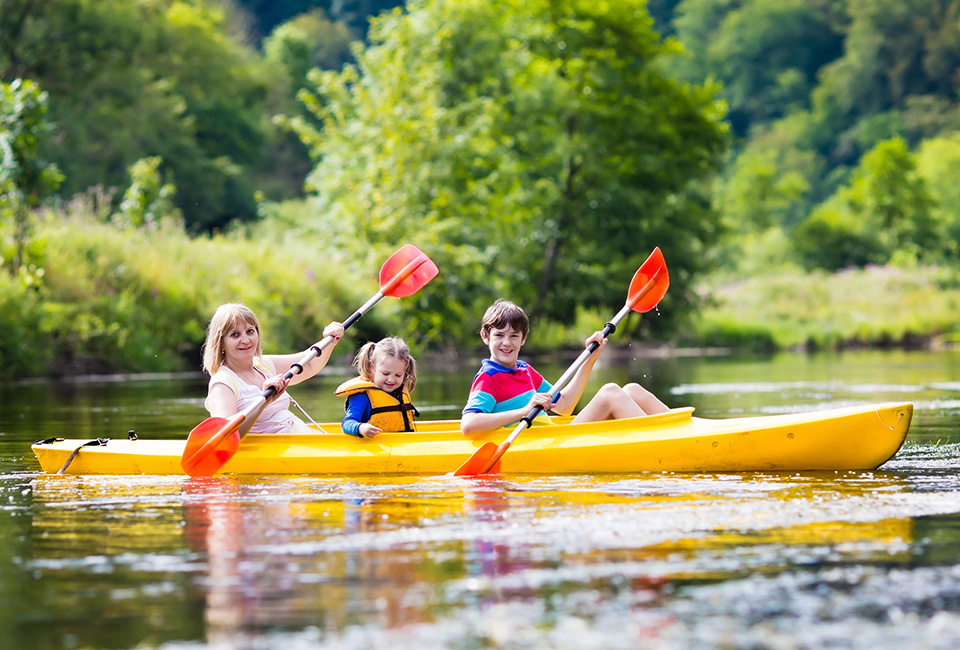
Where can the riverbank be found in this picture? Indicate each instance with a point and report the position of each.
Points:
(914, 307)
(108, 301)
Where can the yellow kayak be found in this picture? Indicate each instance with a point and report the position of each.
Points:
(862, 437)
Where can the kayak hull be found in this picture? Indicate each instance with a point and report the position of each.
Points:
(854, 438)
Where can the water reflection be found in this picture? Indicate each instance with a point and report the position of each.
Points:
(336, 555)
(662, 561)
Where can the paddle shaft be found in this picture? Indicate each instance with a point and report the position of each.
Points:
(608, 329)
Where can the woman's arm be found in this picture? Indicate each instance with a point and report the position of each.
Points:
(284, 362)
(221, 401)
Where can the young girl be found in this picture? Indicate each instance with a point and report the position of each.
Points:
(240, 372)
(379, 399)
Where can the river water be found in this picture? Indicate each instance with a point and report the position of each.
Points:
(866, 559)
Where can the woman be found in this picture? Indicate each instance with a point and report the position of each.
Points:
(240, 372)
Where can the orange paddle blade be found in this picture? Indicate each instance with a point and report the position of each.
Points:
(485, 460)
(478, 462)
(406, 272)
(210, 445)
(649, 283)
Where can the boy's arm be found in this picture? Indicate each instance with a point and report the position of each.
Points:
(571, 394)
(472, 422)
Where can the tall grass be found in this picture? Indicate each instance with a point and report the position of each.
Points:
(104, 297)
(790, 309)
(115, 299)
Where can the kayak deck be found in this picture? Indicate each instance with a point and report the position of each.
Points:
(854, 438)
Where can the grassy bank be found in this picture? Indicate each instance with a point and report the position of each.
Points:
(106, 298)
(792, 309)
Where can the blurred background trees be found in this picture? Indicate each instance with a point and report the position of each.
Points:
(538, 150)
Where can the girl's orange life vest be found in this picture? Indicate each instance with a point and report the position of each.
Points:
(389, 413)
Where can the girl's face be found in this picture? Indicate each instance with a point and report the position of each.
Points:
(388, 373)
(240, 344)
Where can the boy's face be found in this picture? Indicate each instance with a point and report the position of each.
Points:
(504, 344)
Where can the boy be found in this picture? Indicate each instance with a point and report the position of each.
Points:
(506, 388)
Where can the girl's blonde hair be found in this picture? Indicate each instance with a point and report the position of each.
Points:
(225, 319)
(366, 360)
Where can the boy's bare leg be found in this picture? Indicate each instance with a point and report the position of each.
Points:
(647, 401)
(610, 403)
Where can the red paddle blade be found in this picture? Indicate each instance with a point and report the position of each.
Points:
(649, 283)
(406, 272)
(478, 462)
(210, 445)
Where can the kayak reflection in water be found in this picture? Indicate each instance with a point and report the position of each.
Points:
(240, 372)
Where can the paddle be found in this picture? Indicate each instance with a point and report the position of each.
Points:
(648, 286)
(214, 441)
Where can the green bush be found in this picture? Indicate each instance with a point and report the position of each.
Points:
(113, 298)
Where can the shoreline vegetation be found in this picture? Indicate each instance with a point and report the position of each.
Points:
(106, 299)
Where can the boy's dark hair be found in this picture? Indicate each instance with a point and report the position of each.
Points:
(503, 313)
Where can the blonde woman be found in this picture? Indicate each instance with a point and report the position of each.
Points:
(240, 372)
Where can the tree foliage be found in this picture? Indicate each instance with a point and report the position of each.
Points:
(536, 147)
(352, 14)
(819, 91)
(26, 178)
(766, 53)
(886, 208)
(134, 78)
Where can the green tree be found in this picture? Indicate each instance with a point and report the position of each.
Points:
(310, 40)
(886, 208)
(900, 62)
(352, 14)
(938, 163)
(536, 146)
(129, 79)
(25, 177)
(766, 53)
(148, 200)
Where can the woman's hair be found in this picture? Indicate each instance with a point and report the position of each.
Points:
(367, 357)
(503, 313)
(226, 318)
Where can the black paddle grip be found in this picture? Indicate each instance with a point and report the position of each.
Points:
(532, 415)
(608, 329)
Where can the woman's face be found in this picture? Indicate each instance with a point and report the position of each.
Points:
(241, 343)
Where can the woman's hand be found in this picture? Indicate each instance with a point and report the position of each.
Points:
(279, 384)
(367, 430)
(335, 330)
